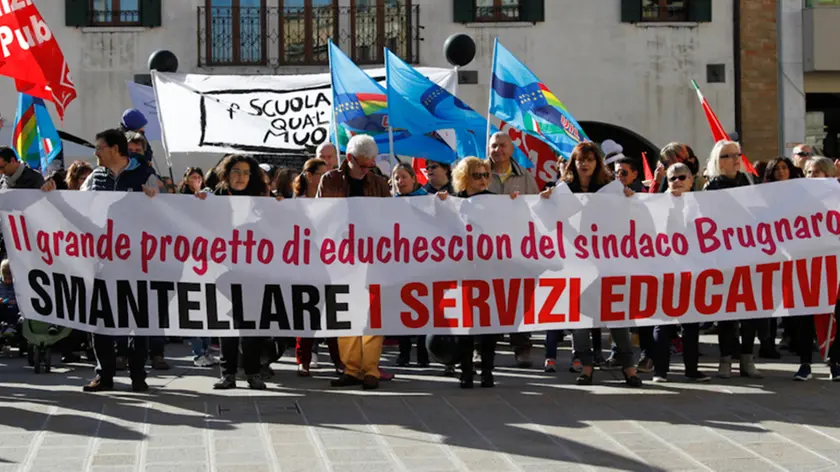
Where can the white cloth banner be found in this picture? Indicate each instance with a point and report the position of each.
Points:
(121, 262)
(254, 114)
(143, 99)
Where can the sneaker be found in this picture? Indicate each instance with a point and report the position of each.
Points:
(803, 374)
(550, 365)
(697, 377)
(202, 361)
(98, 384)
(835, 372)
(313, 364)
(214, 360)
(611, 364)
(645, 365)
(255, 382)
(227, 382)
(575, 366)
(660, 378)
(139, 385)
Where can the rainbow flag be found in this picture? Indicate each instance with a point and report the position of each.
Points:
(519, 98)
(35, 139)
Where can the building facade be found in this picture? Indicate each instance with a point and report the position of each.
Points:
(622, 67)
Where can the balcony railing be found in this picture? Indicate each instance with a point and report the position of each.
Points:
(114, 17)
(274, 36)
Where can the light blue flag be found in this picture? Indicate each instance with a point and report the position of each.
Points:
(35, 139)
(360, 106)
(420, 105)
(520, 99)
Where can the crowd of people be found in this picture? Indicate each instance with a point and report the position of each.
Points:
(125, 164)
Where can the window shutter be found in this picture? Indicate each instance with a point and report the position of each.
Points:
(77, 12)
(532, 10)
(631, 11)
(700, 11)
(463, 11)
(150, 13)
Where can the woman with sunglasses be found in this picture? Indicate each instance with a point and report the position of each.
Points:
(470, 178)
(724, 172)
(680, 179)
(439, 177)
(587, 173)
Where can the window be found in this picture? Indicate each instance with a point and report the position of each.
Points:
(469, 11)
(377, 24)
(306, 27)
(235, 32)
(653, 11)
(115, 12)
(664, 10)
(497, 10)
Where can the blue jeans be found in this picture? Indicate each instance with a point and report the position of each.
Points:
(199, 346)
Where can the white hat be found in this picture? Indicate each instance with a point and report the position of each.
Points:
(265, 167)
(609, 146)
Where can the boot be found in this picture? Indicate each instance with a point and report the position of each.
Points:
(747, 367)
(725, 367)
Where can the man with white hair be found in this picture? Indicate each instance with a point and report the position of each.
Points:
(360, 354)
(328, 153)
(801, 154)
(508, 177)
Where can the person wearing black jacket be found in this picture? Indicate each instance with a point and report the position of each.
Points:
(587, 173)
(470, 178)
(117, 173)
(240, 176)
(15, 174)
(724, 172)
(439, 176)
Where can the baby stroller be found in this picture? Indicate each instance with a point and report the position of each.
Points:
(41, 339)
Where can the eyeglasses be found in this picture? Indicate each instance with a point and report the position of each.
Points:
(730, 156)
(244, 173)
(677, 177)
(432, 167)
(622, 173)
(480, 175)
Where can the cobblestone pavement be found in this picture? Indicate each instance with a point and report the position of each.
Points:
(420, 421)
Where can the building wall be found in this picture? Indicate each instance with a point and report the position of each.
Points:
(759, 80)
(635, 76)
(793, 83)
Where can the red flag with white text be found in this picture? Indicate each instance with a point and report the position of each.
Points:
(419, 165)
(540, 153)
(31, 55)
(718, 132)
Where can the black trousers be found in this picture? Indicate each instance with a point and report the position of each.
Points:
(105, 350)
(405, 348)
(487, 348)
(251, 350)
(728, 337)
(662, 337)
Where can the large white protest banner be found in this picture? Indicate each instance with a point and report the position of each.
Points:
(121, 262)
(255, 114)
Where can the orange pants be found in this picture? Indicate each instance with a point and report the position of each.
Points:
(360, 355)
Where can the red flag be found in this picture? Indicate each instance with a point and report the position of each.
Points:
(419, 165)
(540, 153)
(826, 328)
(718, 133)
(646, 166)
(31, 56)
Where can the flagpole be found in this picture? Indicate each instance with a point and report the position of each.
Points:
(490, 96)
(334, 111)
(828, 336)
(391, 142)
(163, 131)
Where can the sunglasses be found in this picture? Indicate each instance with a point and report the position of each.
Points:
(480, 175)
(432, 167)
(622, 173)
(804, 154)
(732, 156)
(677, 177)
